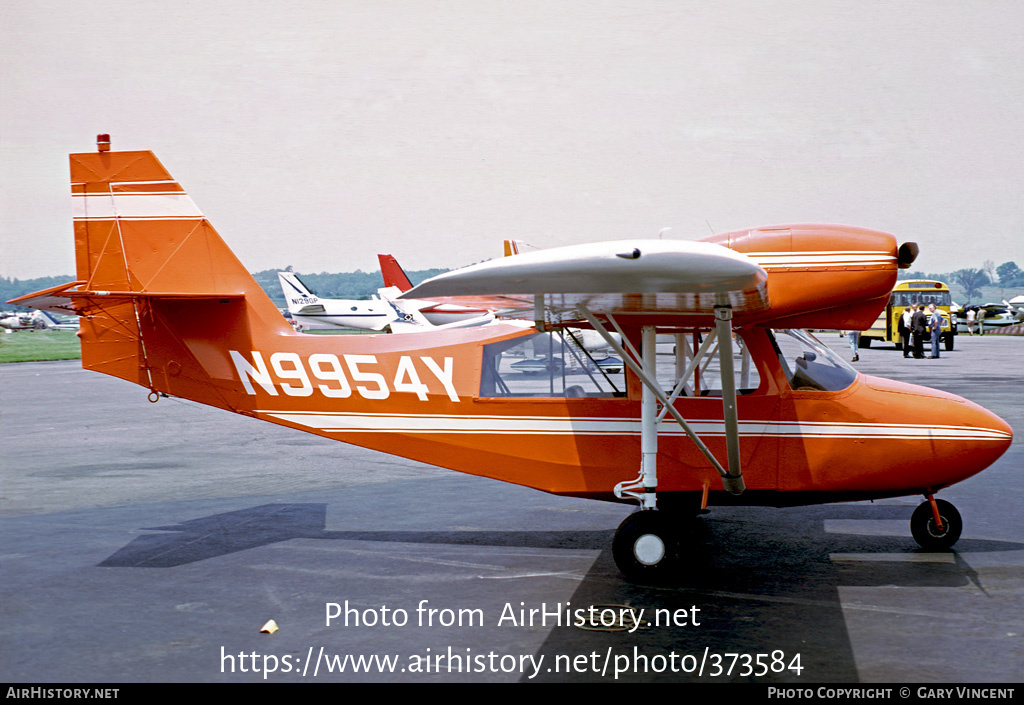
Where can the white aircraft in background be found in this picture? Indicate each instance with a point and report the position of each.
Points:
(1016, 307)
(47, 320)
(35, 320)
(993, 316)
(1000, 315)
(434, 313)
(379, 313)
(411, 316)
(15, 320)
(311, 312)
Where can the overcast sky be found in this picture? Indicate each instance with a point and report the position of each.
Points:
(317, 134)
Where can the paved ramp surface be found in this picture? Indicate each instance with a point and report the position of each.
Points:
(151, 542)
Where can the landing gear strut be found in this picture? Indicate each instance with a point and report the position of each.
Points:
(646, 544)
(928, 532)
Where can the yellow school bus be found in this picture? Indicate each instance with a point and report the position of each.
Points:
(911, 292)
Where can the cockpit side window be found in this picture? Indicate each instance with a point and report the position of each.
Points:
(809, 364)
(676, 352)
(553, 364)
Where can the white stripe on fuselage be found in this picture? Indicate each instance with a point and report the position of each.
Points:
(343, 422)
(837, 258)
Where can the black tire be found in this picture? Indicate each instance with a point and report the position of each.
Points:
(949, 342)
(646, 547)
(864, 342)
(927, 535)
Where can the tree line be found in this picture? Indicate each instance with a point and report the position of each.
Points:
(1007, 275)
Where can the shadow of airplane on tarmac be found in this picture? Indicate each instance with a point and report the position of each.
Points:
(766, 580)
(757, 543)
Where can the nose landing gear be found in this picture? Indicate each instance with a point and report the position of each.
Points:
(936, 524)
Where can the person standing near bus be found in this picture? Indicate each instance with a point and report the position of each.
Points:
(904, 329)
(935, 328)
(970, 320)
(918, 325)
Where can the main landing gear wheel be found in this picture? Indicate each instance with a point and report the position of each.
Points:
(645, 546)
(927, 533)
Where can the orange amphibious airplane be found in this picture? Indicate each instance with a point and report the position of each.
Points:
(741, 409)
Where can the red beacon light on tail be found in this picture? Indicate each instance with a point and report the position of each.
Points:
(103, 143)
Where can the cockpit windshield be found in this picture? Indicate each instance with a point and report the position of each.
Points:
(809, 364)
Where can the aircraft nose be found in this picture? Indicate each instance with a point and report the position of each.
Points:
(947, 438)
(999, 427)
(967, 438)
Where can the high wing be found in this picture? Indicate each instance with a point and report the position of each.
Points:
(625, 276)
(787, 276)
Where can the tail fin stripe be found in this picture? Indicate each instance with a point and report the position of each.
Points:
(135, 206)
(292, 285)
(136, 187)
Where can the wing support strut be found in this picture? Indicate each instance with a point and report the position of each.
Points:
(733, 480)
(538, 313)
(647, 482)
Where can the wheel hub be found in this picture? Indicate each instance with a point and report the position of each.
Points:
(649, 549)
(935, 531)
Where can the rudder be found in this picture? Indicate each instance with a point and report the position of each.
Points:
(393, 273)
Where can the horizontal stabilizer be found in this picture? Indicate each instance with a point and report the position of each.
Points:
(54, 300)
(71, 298)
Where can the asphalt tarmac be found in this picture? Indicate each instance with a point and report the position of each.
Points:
(151, 542)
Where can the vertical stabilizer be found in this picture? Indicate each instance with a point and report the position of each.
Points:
(296, 293)
(159, 292)
(393, 273)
